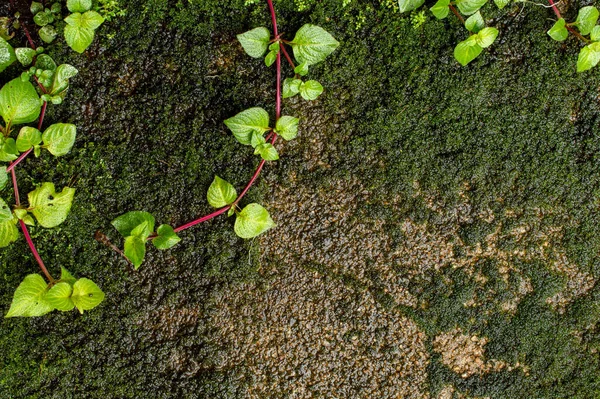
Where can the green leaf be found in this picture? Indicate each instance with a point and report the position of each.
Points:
(36, 7)
(59, 138)
(257, 139)
(8, 233)
(409, 5)
(66, 276)
(469, 7)
(25, 55)
(475, 23)
(559, 31)
(246, 122)
(287, 127)
(3, 177)
(221, 193)
(166, 238)
(5, 26)
(86, 294)
(5, 212)
(270, 58)
(252, 221)
(595, 34)
(59, 297)
(255, 41)
(310, 90)
(43, 18)
(486, 37)
(49, 207)
(29, 299)
(27, 138)
(89, 20)
(589, 56)
(8, 150)
(135, 250)
(231, 211)
(63, 73)
(48, 34)
(291, 87)
(45, 62)
(79, 39)
(301, 69)
(312, 44)
(142, 230)
(20, 213)
(467, 50)
(79, 5)
(19, 102)
(586, 19)
(501, 3)
(441, 9)
(267, 152)
(129, 221)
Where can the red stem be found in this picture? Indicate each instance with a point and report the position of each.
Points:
(29, 39)
(35, 252)
(570, 28)
(273, 138)
(554, 8)
(287, 56)
(455, 12)
(24, 155)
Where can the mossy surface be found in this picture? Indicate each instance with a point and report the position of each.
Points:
(405, 146)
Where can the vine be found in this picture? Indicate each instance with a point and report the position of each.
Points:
(21, 103)
(252, 127)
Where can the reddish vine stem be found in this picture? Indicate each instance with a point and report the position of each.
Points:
(287, 57)
(29, 39)
(455, 12)
(273, 137)
(570, 28)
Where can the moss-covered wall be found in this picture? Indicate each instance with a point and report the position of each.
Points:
(409, 155)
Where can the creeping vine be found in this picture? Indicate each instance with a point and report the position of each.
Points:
(251, 127)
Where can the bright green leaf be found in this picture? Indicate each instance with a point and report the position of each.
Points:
(287, 127)
(29, 299)
(27, 138)
(8, 150)
(588, 58)
(275, 46)
(312, 44)
(63, 73)
(3, 177)
(586, 19)
(166, 238)
(595, 33)
(270, 58)
(59, 297)
(79, 39)
(501, 3)
(409, 5)
(486, 37)
(89, 20)
(255, 41)
(475, 23)
(221, 193)
(8, 233)
(257, 139)
(142, 230)
(251, 120)
(5, 212)
(252, 221)
(469, 7)
(467, 50)
(440, 9)
(301, 69)
(25, 55)
(59, 138)
(66, 276)
(43, 18)
(86, 294)
(49, 207)
(559, 31)
(291, 87)
(129, 221)
(310, 90)
(36, 7)
(45, 63)
(135, 250)
(20, 213)
(267, 152)
(79, 5)
(19, 102)
(48, 34)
